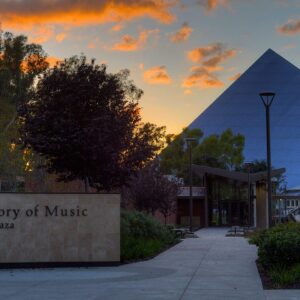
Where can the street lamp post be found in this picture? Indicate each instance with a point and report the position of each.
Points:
(267, 99)
(189, 141)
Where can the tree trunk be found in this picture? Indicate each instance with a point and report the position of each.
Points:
(86, 184)
(11, 122)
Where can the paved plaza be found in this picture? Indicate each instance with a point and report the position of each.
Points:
(211, 266)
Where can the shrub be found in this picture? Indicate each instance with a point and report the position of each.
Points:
(142, 236)
(282, 276)
(278, 246)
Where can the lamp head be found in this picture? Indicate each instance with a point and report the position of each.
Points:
(248, 165)
(267, 98)
(190, 139)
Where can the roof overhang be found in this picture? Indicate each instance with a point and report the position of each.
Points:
(238, 176)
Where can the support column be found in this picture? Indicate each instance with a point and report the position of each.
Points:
(205, 201)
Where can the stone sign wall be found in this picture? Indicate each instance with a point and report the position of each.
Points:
(59, 228)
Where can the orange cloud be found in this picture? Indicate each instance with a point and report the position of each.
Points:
(201, 78)
(198, 54)
(52, 61)
(292, 27)
(210, 58)
(117, 27)
(60, 37)
(288, 47)
(157, 75)
(30, 13)
(129, 43)
(41, 34)
(211, 5)
(182, 34)
(93, 44)
(213, 63)
(235, 77)
(188, 92)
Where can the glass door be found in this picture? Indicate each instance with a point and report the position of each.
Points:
(235, 213)
(224, 213)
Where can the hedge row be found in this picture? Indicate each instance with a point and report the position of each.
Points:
(142, 236)
(278, 246)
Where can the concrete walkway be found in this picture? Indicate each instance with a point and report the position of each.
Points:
(209, 267)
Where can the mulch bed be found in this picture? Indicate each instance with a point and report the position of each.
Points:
(267, 283)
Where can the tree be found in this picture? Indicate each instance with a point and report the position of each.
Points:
(174, 158)
(85, 123)
(168, 200)
(220, 151)
(278, 185)
(255, 166)
(20, 63)
(151, 191)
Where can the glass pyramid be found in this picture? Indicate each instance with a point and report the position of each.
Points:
(241, 109)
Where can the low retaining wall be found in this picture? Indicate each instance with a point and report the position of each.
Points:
(59, 229)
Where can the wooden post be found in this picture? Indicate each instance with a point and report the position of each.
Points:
(206, 213)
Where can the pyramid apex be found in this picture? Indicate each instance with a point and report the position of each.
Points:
(271, 51)
(271, 54)
(267, 65)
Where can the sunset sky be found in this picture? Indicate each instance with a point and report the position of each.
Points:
(183, 54)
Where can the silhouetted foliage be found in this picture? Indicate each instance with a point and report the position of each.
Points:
(220, 151)
(86, 124)
(151, 191)
(255, 166)
(278, 185)
(174, 158)
(20, 63)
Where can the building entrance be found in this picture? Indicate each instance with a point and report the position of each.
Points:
(234, 198)
(229, 203)
(233, 213)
